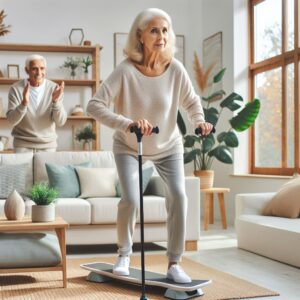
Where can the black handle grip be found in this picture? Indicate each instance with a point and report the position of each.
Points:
(136, 129)
(198, 131)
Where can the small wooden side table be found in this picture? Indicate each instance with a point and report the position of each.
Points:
(209, 205)
(59, 225)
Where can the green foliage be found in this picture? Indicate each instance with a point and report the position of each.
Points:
(73, 63)
(202, 150)
(85, 63)
(42, 194)
(86, 134)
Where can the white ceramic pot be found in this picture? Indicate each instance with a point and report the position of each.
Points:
(43, 213)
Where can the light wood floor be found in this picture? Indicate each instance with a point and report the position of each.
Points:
(218, 249)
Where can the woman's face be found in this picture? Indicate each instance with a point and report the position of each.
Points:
(155, 37)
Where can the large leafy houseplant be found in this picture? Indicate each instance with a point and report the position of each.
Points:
(202, 150)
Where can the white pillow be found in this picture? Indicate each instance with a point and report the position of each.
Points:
(97, 182)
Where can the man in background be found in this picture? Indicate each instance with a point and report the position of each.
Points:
(35, 109)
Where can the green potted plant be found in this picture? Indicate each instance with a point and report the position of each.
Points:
(87, 134)
(203, 150)
(43, 196)
(85, 63)
(72, 63)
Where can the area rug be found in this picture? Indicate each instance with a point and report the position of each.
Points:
(48, 285)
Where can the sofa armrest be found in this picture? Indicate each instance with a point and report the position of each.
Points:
(192, 187)
(252, 203)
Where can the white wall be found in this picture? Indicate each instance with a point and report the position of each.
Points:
(50, 22)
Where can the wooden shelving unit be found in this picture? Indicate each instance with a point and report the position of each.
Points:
(94, 83)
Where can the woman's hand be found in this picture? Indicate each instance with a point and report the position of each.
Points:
(206, 128)
(146, 127)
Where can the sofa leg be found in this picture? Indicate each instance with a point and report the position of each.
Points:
(191, 246)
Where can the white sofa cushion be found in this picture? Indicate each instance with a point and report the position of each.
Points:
(104, 210)
(98, 159)
(273, 237)
(75, 211)
(97, 182)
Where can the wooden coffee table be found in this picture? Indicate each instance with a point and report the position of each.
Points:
(59, 225)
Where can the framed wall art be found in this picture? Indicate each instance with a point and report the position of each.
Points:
(180, 47)
(120, 39)
(13, 71)
(212, 55)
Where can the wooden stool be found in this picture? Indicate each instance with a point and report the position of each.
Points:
(209, 205)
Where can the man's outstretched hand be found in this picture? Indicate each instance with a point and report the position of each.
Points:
(58, 92)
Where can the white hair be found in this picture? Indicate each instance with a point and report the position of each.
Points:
(33, 57)
(133, 48)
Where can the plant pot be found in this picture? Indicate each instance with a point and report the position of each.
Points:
(206, 178)
(87, 146)
(43, 213)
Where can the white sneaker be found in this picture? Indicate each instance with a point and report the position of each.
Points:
(121, 267)
(177, 274)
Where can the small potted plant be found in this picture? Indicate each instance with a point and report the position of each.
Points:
(87, 135)
(72, 63)
(85, 63)
(43, 196)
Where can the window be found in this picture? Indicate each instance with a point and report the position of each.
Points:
(274, 79)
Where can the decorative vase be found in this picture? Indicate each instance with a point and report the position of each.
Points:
(73, 74)
(87, 146)
(86, 75)
(206, 178)
(14, 207)
(43, 213)
(77, 111)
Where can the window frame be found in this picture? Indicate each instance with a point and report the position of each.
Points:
(279, 61)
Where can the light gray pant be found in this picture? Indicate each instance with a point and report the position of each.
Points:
(171, 171)
(33, 150)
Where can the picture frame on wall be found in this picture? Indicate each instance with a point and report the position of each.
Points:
(13, 71)
(180, 48)
(212, 55)
(120, 39)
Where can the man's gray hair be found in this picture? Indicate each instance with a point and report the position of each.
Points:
(133, 48)
(33, 57)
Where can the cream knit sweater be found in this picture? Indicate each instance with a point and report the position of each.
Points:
(157, 99)
(35, 128)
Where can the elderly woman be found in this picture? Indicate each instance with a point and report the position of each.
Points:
(147, 89)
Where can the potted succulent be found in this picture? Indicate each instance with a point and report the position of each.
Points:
(87, 135)
(85, 63)
(72, 63)
(43, 196)
(203, 150)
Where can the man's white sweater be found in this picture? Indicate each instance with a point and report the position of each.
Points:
(35, 128)
(157, 99)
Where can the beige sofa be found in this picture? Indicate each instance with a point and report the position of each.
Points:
(274, 237)
(93, 220)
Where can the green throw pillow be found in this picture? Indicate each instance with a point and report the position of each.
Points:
(147, 173)
(65, 179)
